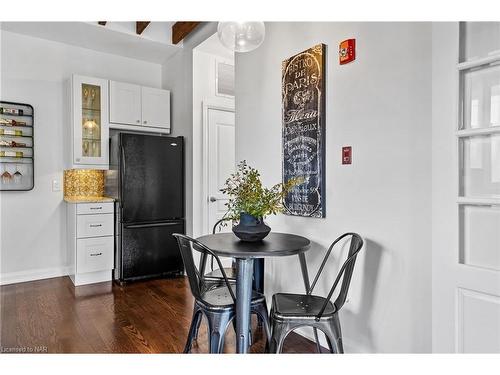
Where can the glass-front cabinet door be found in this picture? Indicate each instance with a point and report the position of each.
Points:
(90, 123)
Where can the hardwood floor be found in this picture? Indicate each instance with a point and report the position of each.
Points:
(144, 317)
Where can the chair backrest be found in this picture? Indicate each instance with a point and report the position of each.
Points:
(217, 226)
(346, 271)
(195, 275)
(203, 258)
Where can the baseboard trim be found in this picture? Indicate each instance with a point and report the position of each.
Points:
(32, 275)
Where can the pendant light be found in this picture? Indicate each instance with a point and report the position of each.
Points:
(241, 36)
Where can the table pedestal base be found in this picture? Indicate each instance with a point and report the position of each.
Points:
(243, 302)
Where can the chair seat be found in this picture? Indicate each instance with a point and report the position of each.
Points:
(221, 298)
(217, 274)
(293, 305)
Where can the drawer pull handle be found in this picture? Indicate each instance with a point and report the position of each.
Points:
(96, 208)
(95, 254)
(95, 225)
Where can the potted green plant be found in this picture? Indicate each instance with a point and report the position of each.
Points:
(250, 202)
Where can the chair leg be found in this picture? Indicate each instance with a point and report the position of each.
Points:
(338, 334)
(263, 316)
(330, 344)
(284, 333)
(316, 339)
(192, 329)
(217, 325)
(197, 326)
(275, 332)
(280, 331)
(333, 335)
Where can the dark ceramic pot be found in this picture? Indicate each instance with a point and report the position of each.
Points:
(251, 228)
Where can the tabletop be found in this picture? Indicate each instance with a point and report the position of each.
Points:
(275, 244)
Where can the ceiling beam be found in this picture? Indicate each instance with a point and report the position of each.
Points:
(102, 23)
(180, 30)
(140, 26)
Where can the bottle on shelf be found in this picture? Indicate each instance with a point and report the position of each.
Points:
(11, 122)
(11, 132)
(11, 111)
(12, 154)
(4, 143)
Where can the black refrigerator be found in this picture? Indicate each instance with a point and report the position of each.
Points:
(146, 177)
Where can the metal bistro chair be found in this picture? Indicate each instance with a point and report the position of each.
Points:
(291, 311)
(214, 277)
(218, 303)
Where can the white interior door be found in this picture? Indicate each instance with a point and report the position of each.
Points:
(220, 163)
(467, 280)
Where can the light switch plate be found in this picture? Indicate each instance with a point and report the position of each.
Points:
(56, 185)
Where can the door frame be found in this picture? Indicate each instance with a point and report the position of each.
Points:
(218, 105)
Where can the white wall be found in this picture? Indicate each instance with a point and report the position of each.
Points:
(177, 76)
(204, 88)
(381, 106)
(33, 224)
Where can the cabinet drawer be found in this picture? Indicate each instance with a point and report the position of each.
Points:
(94, 225)
(94, 208)
(94, 254)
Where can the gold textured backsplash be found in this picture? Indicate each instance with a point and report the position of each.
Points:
(83, 183)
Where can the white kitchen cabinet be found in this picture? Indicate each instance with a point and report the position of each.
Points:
(125, 103)
(90, 242)
(94, 225)
(155, 108)
(94, 255)
(134, 107)
(89, 123)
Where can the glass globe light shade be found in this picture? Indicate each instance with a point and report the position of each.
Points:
(241, 36)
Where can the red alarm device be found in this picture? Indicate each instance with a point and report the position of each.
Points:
(346, 155)
(347, 51)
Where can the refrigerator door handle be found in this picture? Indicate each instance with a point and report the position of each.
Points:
(122, 173)
(133, 226)
(124, 164)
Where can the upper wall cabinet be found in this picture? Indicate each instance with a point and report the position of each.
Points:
(140, 108)
(124, 103)
(155, 107)
(90, 128)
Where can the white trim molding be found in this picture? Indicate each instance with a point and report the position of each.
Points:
(32, 275)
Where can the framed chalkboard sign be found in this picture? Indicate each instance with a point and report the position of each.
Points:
(303, 119)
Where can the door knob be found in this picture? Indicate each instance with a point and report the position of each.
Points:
(213, 199)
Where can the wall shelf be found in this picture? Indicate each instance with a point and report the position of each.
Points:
(18, 173)
(15, 136)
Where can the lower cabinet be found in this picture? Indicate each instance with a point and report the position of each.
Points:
(94, 254)
(90, 242)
